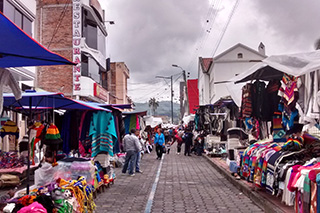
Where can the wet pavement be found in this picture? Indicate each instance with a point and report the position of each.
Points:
(178, 184)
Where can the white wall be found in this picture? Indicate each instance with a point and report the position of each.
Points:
(203, 85)
(224, 72)
(86, 86)
(227, 67)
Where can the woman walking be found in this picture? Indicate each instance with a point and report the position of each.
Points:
(159, 141)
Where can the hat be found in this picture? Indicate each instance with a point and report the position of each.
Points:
(53, 136)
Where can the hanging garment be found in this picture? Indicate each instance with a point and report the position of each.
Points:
(65, 132)
(289, 95)
(102, 132)
(258, 93)
(6, 78)
(287, 196)
(318, 190)
(306, 195)
(271, 100)
(278, 133)
(313, 202)
(9, 128)
(246, 105)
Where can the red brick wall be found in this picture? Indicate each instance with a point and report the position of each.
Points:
(55, 78)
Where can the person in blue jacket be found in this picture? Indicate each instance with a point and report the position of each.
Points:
(159, 142)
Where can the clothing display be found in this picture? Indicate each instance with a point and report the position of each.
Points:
(6, 78)
(102, 133)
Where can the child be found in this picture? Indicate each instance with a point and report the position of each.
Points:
(168, 147)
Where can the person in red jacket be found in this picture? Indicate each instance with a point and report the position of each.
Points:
(179, 141)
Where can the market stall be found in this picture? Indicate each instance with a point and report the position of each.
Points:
(88, 138)
(280, 109)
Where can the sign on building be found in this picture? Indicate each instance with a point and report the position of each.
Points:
(76, 29)
(100, 92)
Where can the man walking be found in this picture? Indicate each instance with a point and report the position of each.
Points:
(131, 146)
(138, 155)
(187, 138)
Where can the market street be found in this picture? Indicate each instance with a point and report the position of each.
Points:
(186, 184)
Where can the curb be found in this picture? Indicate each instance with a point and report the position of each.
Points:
(259, 200)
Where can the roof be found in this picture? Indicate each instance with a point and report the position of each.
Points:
(205, 63)
(236, 46)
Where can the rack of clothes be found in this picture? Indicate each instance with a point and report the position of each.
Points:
(282, 169)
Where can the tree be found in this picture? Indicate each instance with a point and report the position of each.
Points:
(153, 104)
(317, 44)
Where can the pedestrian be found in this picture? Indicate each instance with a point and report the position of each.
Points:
(159, 141)
(131, 146)
(187, 139)
(139, 156)
(179, 141)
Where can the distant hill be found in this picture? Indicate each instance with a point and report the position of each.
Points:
(163, 109)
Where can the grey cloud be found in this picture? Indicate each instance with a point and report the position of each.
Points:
(151, 35)
(293, 22)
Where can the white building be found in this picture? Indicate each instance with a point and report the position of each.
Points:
(213, 73)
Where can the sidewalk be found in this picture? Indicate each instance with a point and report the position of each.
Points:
(264, 200)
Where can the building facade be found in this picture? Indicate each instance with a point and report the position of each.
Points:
(215, 73)
(76, 30)
(117, 83)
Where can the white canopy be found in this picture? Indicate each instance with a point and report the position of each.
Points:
(152, 121)
(273, 67)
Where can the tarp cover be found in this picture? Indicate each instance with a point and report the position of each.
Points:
(18, 49)
(274, 66)
(46, 100)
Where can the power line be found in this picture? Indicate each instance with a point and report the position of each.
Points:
(59, 22)
(225, 27)
(206, 31)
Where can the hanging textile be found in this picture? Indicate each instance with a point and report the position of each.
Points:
(289, 95)
(271, 100)
(246, 105)
(6, 78)
(102, 133)
(9, 128)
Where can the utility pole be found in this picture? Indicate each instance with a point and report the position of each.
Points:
(186, 85)
(171, 79)
(171, 100)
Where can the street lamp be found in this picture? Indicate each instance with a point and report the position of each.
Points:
(185, 81)
(110, 22)
(169, 77)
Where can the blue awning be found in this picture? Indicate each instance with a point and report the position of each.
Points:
(18, 49)
(44, 101)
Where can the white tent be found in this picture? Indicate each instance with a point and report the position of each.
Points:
(152, 121)
(274, 66)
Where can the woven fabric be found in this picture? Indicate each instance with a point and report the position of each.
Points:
(103, 142)
(279, 135)
(306, 195)
(9, 128)
(313, 202)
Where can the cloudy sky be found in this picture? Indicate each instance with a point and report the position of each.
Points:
(150, 36)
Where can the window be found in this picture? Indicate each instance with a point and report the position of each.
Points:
(90, 31)
(17, 17)
(240, 55)
(84, 65)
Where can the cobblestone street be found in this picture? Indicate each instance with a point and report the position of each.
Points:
(186, 184)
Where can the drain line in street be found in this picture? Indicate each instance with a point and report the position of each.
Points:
(154, 188)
